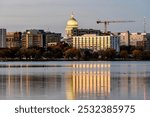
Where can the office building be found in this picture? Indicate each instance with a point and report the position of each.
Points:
(134, 39)
(140, 40)
(13, 39)
(52, 38)
(94, 42)
(34, 38)
(2, 38)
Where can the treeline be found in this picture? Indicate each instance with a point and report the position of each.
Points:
(63, 51)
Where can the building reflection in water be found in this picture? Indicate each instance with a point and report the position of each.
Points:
(129, 82)
(27, 83)
(84, 80)
(89, 81)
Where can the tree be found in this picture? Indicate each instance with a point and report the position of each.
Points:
(137, 54)
(124, 54)
(72, 53)
(146, 55)
(110, 53)
(86, 54)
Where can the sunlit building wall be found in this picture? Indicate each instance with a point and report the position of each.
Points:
(13, 39)
(33, 38)
(71, 24)
(93, 42)
(140, 40)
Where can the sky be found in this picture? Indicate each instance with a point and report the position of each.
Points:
(52, 15)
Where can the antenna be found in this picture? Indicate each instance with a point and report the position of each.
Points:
(144, 24)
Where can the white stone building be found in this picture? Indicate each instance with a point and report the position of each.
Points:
(94, 42)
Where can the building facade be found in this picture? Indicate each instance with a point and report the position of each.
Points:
(79, 32)
(52, 38)
(94, 42)
(13, 39)
(140, 40)
(134, 39)
(2, 38)
(33, 38)
(124, 38)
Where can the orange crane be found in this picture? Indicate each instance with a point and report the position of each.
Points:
(106, 23)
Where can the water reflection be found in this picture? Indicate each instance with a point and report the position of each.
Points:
(90, 81)
(84, 80)
(109, 81)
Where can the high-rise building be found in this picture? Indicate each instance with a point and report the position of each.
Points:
(94, 42)
(2, 38)
(34, 38)
(13, 39)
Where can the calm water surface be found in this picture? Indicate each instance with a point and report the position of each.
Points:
(75, 80)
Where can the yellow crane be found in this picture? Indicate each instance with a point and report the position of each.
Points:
(106, 23)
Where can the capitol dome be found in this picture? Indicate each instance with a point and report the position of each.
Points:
(72, 22)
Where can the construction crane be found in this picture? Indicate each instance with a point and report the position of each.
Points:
(106, 23)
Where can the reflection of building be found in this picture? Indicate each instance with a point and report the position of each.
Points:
(91, 41)
(13, 40)
(90, 80)
(2, 38)
(129, 82)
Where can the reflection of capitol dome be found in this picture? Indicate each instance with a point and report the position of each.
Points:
(71, 24)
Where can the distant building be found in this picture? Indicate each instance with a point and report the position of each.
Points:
(13, 39)
(52, 38)
(140, 40)
(94, 42)
(124, 38)
(34, 38)
(2, 38)
(71, 24)
(134, 39)
(79, 32)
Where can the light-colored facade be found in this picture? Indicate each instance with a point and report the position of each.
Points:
(134, 39)
(33, 38)
(71, 24)
(140, 40)
(13, 40)
(124, 38)
(2, 38)
(94, 42)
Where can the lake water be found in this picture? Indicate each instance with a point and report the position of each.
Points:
(72, 80)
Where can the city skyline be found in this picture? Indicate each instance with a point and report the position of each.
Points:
(53, 15)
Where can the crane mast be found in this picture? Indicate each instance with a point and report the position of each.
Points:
(106, 23)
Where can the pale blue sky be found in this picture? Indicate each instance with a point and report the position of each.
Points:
(18, 15)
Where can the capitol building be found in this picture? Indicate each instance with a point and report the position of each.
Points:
(71, 24)
(89, 38)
